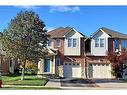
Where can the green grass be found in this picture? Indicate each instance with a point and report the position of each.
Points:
(29, 88)
(30, 80)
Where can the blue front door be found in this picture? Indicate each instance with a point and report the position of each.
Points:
(47, 65)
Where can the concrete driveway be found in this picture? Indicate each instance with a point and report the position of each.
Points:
(87, 84)
(77, 82)
(110, 83)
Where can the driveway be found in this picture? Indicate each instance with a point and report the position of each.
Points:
(86, 84)
(75, 82)
(110, 83)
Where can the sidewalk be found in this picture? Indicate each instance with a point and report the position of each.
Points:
(53, 83)
(113, 85)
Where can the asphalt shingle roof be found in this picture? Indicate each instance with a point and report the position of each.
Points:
(60, 32)
(114, 34)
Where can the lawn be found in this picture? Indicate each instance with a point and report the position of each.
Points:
(30, 80)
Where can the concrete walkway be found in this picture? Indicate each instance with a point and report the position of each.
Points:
(53, 83)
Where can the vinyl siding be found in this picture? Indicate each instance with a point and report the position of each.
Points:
(99, 51)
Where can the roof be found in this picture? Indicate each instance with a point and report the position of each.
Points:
(114, 34)
(60, 32)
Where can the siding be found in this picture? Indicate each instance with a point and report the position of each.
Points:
(72, 51)
(99, 51)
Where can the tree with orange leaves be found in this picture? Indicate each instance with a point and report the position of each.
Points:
(118, 60)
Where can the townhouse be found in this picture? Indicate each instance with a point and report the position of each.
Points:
(71, 54)
(66, 53)
(96, 47)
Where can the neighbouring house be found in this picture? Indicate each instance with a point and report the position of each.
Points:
(7, 65)
(96, 47)
(66, 54)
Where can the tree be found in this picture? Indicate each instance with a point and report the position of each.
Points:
(25, 38)
(32, 67)
(118, 60)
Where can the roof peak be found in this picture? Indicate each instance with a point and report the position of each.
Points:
(113, 33)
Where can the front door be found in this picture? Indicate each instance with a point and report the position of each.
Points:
(47, 65)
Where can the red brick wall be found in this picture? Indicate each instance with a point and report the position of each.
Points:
(4, 65)
(60, 49)
(94, 59)
(111, 45)
(82, 48)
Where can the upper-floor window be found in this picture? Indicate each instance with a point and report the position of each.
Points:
(124, 44)
(57, 61)
(50, 42)
(101, 42)
(57, 42)
(72, 42)
(116, 43)
(69, 42)
(96, 42)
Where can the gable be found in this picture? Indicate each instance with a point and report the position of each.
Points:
(73, 33)
(100, 34)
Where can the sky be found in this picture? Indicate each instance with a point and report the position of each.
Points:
(85, 19)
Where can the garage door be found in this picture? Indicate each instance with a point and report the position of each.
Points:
(99, 71)
(72, 70)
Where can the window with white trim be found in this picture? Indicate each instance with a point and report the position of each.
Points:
(57, 42)
(101, 42)
(72, 42)
(96, 42)
(69, 42)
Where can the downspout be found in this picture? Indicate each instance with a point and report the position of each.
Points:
(85, 61)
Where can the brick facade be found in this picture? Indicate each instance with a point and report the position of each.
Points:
(78, 59)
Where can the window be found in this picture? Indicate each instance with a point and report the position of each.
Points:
(69, 42)
(124, 44)
(101, 42)
(50, 43)
(97, 43)
(72, 42)
(57, 42)
(116, 44)
(58, 61)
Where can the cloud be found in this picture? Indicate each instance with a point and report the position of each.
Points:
(50, 28)
(63, 9)
(27, 7)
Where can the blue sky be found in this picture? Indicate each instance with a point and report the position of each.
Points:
(86, 19)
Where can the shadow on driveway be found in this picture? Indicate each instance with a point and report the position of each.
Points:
(106, 81)
(76, 82)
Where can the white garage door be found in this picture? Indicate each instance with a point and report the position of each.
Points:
(72, 70)
(99, 71)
